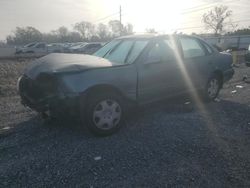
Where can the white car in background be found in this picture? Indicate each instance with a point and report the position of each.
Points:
(55, 48)
(87, 48)
(91, 48)
(74, 46)
(77, 47)
(37, 47)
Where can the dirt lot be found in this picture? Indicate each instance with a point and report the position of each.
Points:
(164, 145)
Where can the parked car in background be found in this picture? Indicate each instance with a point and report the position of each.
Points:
(55, 48)
(66, 46)
(90, 48)
(38, 47)
(133, 69)
(85, 48)
(77, 47)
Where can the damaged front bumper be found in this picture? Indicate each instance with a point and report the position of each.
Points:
(57, 104)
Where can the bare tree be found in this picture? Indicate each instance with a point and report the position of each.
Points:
(118, 29)
(217, 19)
(62, 33)
(128, 29)
(83, 31)
(115, 27)
(86, 29)
(23, 35)
(102, 31)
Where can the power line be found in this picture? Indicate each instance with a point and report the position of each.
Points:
(196, 10)
(200, 6)
(197, 21)
(106, 17)
(196, 27)
(241, 21)
(185, 11)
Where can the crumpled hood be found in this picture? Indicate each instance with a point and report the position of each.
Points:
(57, 62)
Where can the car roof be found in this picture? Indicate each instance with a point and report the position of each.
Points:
(153, 36)
(139, 36)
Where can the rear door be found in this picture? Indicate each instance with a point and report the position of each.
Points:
(197, 63)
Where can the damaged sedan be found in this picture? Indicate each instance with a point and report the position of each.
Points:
(134, 69)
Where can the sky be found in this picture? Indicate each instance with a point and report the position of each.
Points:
(166, 16)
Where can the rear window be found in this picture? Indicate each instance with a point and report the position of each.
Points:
(209, 49)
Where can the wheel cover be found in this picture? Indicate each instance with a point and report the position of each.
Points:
(213, 88)
(107, 114)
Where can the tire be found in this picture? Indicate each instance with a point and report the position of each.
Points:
(212, 88)
(104, 113)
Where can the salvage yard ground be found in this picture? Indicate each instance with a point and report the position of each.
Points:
(171, 144)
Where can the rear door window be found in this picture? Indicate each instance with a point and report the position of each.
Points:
(191, 48)
(209, 49)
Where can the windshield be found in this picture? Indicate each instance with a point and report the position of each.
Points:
(106, 48)
(122, 51)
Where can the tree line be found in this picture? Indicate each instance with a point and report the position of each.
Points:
(218, 21)
(82, 31)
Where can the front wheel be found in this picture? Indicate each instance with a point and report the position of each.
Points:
(105, 114)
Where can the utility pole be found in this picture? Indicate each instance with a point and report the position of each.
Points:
(120, 11)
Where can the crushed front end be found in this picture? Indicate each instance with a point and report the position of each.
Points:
(47, 94)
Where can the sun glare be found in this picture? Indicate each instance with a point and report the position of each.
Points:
(164, 16)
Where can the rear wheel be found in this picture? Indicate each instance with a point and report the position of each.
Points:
(212, 88)
(105, 113)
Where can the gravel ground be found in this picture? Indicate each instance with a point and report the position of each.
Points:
(162, 145)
